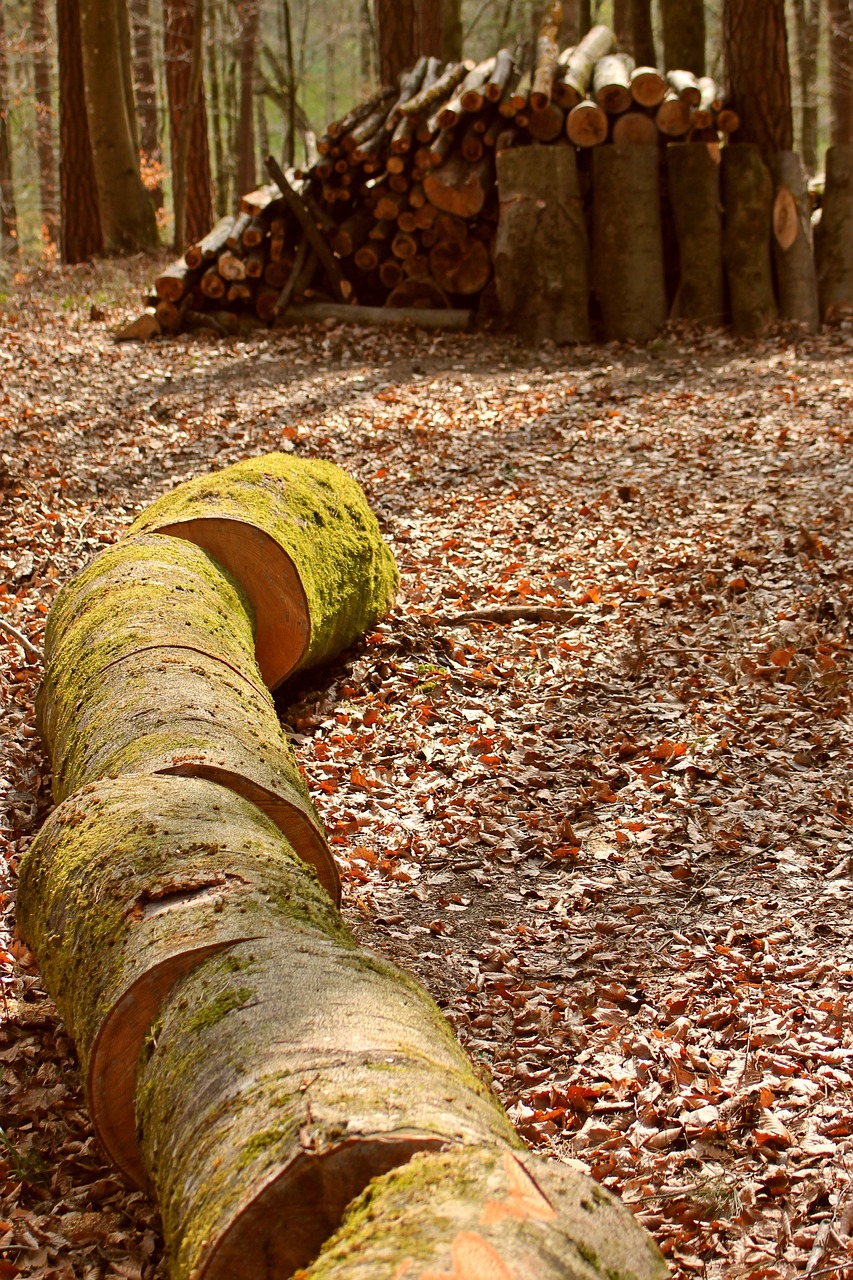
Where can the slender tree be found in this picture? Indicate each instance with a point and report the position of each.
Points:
(81, 236)
(756, 53)
(840, 14)
(451, 30)
(642, 33)
(191, 184)
(248, 14)
(40, 39)
(146, 95)
(8, 213)
(684, 35)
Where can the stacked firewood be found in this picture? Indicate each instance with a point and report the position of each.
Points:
(403, 196)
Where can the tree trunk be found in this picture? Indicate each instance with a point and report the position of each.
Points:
(793, 255)
(451, 30)
(220, 184)
(146, 97)
(748, 213)
(248, 13)
(834, 236)
(694, 191)
(283, 1077)
(8, 211)
(192, 180)
(627, 241)
(81, 236)
(519, 1215)
(807, 19)
(313, 592)
(541, 251)
(840, 14)
(622, 28)
(40, 36)
(756, 54)
(127, 887)
(127, 213)
(406, 29)
(642, 34)
(684, 35)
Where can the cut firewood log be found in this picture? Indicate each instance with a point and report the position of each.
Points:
(694, 194)
(514, 95)
(175, 281)
(272, 1092)
(341, 287)
(449, 227)
(834, 236)
(238, 227)
(390, 272)
(401, 139)
(574, 78)
(441, 147)
(648, 86)
(422, 294)
(208, 249)
(793, 255)
(266, 301)
(468, 95)
(211, 284)
(428, 99)
(255, 263)
(382, 97)
(541, 249)
(410, 83)
(587, 125)
(278, 236)
(611, 83)
(460, 266)
(627, 241)
(710, 98)
(458, 187)
(727, 120)
(500, 76)
(520, 1217)
(239, 291)
(365, 129)
(404, 245)
(255, 233)
(686, 86)
(168, 316)
(673, 115)
(455, 320)
(471, 147)
(276, 274)
(416, 267)
(635, 128)
(546, 56)
(748, 204)
(231, 266)
(547, 124)
(129, 885)
(388, 205)
(299, 537)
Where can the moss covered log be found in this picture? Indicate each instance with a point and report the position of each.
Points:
(299, 537)
(279, 1080)
(483, 1211)
(128, 885)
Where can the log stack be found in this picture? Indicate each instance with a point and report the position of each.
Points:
(242, 1055)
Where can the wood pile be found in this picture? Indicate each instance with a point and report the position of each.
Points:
(243, 1057)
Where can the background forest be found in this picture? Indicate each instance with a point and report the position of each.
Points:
(275, 72)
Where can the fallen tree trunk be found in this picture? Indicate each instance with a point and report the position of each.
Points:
(450, 321)
(793, 256)
(128, 886)
(834, 236)
(748, 204)
(627, 241)
(299, 537)
(254, 1140)
(484, 1211)
(694, 192)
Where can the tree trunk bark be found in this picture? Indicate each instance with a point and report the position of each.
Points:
(541, 251)
(451, 30)
(8, 211)
(642, 34)
(756, 54)
(255, 1154)
(313, 593)
(40, 36)
(694, 191)
(249, 13)
(834, 236)
(519, 1215)
(622, 27)
(807, 20)
(627, 242)
(840, 14)
(684, 35)
(81, 236)
(146, 97)
(220, 181)
(179, 42)
(127, 213)
(748, 212)
(128, 886)
(793, 255)
(406, 29)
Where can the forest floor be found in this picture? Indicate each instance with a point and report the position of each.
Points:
(614, 843)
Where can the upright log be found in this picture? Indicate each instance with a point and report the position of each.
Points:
(834, 235)
(694, 193)
(748, 213)
(793, 256)
(299, 537)
(627, 249)
(541, 251)
(487, 1212)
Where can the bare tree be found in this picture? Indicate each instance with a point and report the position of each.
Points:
(191, 186)
(248, 16)
(146, 94)
(756, 53)
(40, 38)
(8, 212)
(840, 14)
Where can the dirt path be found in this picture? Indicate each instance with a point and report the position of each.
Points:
(616, 846)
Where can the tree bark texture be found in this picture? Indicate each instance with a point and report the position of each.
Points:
(48, 194)
(622, 27)
(834, 236)
(627, 241)
(8, 211)
(248, 12)
(129, 885)
(541, 251)
(684, 35)
(146, 95)
(756, 55)
(254, 1140)
(642, 33)
(748, 212)
(807, 21)
(178, 45)
(81, 235)
(490, 1212)
(793, 255)
(840, 15)
(299, 537)
(127, 213)
(694, 192)
(405, 29)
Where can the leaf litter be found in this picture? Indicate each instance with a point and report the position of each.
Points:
(589, 780)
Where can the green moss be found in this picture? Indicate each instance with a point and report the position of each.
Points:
(587, 1252)
(218, 1008)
